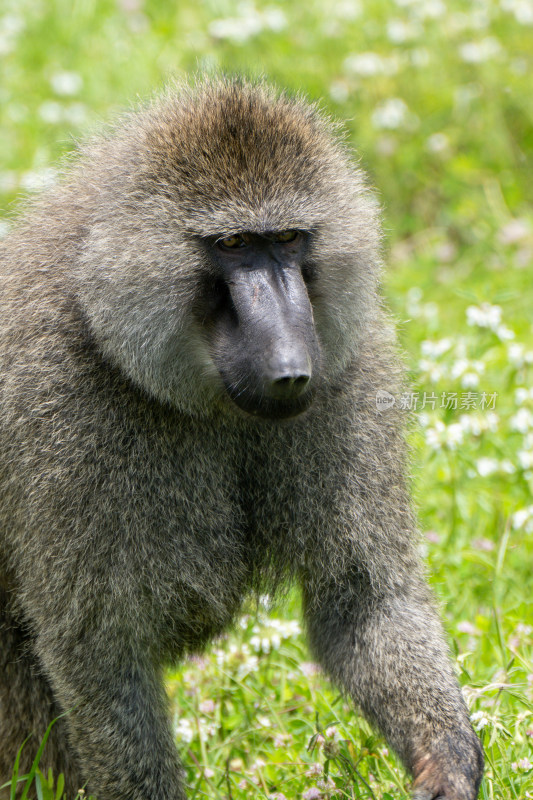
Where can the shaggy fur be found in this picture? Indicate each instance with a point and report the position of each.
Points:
(138, 505)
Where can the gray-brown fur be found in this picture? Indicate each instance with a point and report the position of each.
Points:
(138, 505)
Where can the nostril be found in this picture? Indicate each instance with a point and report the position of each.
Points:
(302, 380)
(290, 386)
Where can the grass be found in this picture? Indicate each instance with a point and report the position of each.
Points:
(436, 97)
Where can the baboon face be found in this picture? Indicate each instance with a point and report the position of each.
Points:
(260, 323)
(232, 256)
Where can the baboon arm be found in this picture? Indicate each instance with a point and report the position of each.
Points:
(388, 653)
(116, 718)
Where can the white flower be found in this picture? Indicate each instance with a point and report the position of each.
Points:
(459, 367)
(391, 114)
(75, 113)
(522, 395)
(270, 634)
(66, 83)
(478, 424)
(386, 145)
(207, 728)
(339, 92)
(479, 720)
(519, 356)
(486, 466)
(470, 380)
(248, 23)
(504, 333)
(346, 9)
(507, 466)
(434, 435)
(437, 143)
(466, 627)
(130, 6)
(434, 372)
(484, 316)
(275, 18)
(250, 665)
(445, 251)
(10, 27)
(522, 10)
(368, 64)
(309, 668)
(445, 436)
(327, 785)
(423, 8)
(522, 421)
(525, 458)
(524, 764)
(414, 294)
(184, 730)
(523, 519)
(492, 421)
(400, 31)
(454, 435)
(51, 111)
(468, 371)
(312, 794)
(282, 740)
(514, 231)
(476, 52)
(11, 24)
(419, 57)
(237, 29)
(431, 9)
(434, 349)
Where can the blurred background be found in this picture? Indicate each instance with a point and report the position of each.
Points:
(436, 99)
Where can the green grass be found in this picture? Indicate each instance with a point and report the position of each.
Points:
(437, 100)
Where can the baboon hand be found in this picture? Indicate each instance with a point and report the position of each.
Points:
(451, 770)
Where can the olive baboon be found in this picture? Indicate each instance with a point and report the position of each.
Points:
(192, 344)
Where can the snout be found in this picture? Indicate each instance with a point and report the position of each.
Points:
(271, 353)
(288, 373)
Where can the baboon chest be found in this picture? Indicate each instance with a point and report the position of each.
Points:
(189, 543)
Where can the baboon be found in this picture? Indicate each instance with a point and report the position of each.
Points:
(192, 343)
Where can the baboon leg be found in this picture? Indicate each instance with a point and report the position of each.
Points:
(119, 720)
(387, 651)
(27, 706)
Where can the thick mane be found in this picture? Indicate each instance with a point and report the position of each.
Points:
(228, 151)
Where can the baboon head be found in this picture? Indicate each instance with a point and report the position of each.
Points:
(231, 261)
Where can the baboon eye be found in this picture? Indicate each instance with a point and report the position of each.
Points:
(231, 242)
(286, 236)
